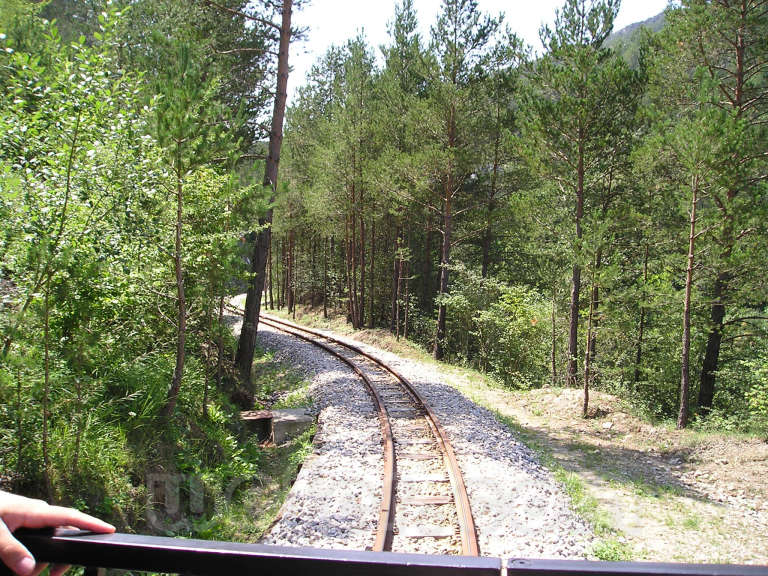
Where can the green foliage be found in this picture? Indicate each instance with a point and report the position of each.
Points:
(90, 152)
(498, 328)
(459, 148)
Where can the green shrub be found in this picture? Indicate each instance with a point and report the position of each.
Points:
(498, 328)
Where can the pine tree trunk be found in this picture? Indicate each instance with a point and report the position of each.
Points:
(19, 425)
(220, 345)
(553, 352)
(573, 331)
(289, 272)
(448, 191)
(279, 273)
(714, 339)
(47, 389)
(325, 278)
(682, 418)
(361, 311)
(742, 72)
(595, 305)
(348, 269)
(78, 412)
(641, 328)
(405, 303)
(181, 319)
(372, 307)
(247, 344)
(426, 281)
(439, 348)
(354, 249)
(395, 280)
(295, 277)
(269, 269)
(592, 324)
(587, 363)
(488, 234)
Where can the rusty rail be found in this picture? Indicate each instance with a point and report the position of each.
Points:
(386, 525)
(469, 542)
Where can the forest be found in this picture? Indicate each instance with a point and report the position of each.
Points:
(591, 215)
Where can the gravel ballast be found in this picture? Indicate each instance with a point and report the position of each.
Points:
(335, 500)
(519, 509)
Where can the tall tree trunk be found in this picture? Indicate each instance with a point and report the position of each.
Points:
(573, 331)
(587, 363)
(220, 345)
(426, 281)
(682, 418)
(355, 263)
(247, 343)
(396, 279)
(270, 276)
(553, 351)
(289, 272)
(741, 101)
(181, 304)
(47, 389)
(279, 261)
(19, 425)
(399, 289)
(78, 411)
(361, 312)
(206, 383)
(485, 244)
(348, 270)
(372, 307)
(592, 324)
(488, 234)
(405, 302)
(641, 327)
(325, 278)
(439, 348)
(714, 339)
(448, 191)
(295, 277)
(595, 305)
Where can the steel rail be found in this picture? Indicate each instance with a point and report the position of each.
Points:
(469, 542)
(386, 525)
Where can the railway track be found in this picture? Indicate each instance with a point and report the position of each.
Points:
(424, 505)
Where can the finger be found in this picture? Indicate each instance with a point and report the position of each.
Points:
(44, 515)
(59, 569)
(14, 554)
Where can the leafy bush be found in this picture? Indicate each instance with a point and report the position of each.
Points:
(499, 328)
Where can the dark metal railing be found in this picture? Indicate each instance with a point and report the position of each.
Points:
(203, 557)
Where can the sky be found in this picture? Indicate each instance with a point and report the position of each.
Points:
(333, 22)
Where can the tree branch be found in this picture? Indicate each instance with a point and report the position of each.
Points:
(243, 15)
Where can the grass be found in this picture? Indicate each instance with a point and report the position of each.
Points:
(278, 385)
(610, 545)
(244, 514)
(247, 517)
(613, 550)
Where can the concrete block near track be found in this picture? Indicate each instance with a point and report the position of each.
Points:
(258, 423)
(289, 423)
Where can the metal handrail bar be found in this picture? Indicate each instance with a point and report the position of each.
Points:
(523, 567)
(201, 557)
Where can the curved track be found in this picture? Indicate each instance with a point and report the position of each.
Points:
(419, 462)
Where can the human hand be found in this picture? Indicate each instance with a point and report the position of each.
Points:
(20, 512)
